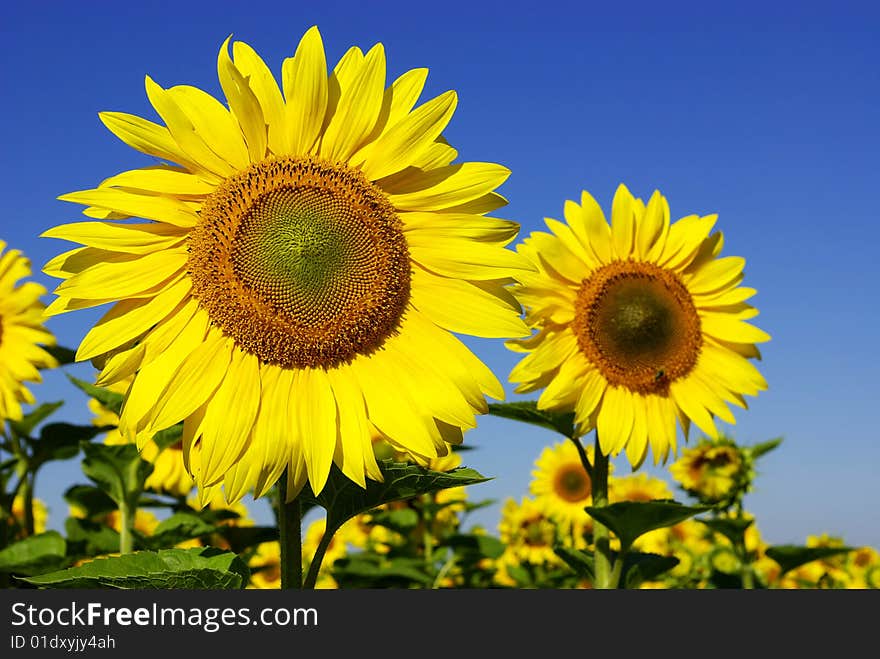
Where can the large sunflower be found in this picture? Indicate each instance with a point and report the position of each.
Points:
(21, 334)
(639, 323)
(306, 254)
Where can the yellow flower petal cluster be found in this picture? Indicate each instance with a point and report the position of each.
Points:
(22, 335)
(295, 268)
(639, 322)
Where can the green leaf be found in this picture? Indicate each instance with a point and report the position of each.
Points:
(343, 498)
(764, 447)
(474, 545)
(630, 519)
(112, 401)
(61, 441)
(90, 500)
(32, 419)
(639, 568)
(118, 470)
(792, 556)
(403, 520)
(169, 436)
(35, 554)
(242, 537)
(370, 570)
(86, 537)
(199, 568)
(61, 354)
(579, 561)
(732, 529)
(176, 529)
(527, 411)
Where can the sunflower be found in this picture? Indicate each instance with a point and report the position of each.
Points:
(713, 471)
(528, 533)
(301, 260)
(562, 486)
(169, 474)
(21, 334)
(638, 323)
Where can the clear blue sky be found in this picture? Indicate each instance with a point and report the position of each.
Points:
(765, 113)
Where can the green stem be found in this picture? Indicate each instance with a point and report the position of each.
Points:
(290, 537)
(601, 536)
(583, 455)
(126, 525)
(28, 500)
(317, 559)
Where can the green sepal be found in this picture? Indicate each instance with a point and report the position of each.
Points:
(527, 411)
(630, 519)
(198, 568)
(763, 448)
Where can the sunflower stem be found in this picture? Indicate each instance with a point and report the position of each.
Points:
(318, 559)
(290, 537)
(126, 526)
(27, 496)
(583, 455)
(601, 536)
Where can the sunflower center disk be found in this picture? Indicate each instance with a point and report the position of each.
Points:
(572, 484)
(637, 323)
(301, 261)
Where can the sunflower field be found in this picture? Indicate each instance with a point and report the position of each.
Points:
(285, 281)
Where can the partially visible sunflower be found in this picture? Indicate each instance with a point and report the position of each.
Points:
(21, 334)
(639, 323)
(16, 521)
(169, 474)
(637, 487)
(304, 257)
(562, 486)
(265, 566)
(714, 471)
(528, 533)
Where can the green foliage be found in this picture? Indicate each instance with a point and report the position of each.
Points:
(790, 557)
(528, 412)
(763, 448)
(640, 567)
(579, 561)
(35, 554)
(199, 568)
(343, 498)
(111, 400)
(630, 519)
(732, 528)
(117, 470)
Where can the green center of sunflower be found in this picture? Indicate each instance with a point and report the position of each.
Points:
(537, 532)
(303, 262)
(638, 324)
(572, 483)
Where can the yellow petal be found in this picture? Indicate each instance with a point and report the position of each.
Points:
(410, 137)
(125, 279)
(265, 88)
(357, 110)
(129, 319)
(317, 424)
(150, 207)
(152, 139)
(213, 123)
(127, 238)
(305, 88)
(243, 103)
(725, 328)
(183, 131)
(448, 186)
(623, 222)
(161, 179)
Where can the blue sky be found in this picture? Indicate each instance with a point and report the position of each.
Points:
(764, 114)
